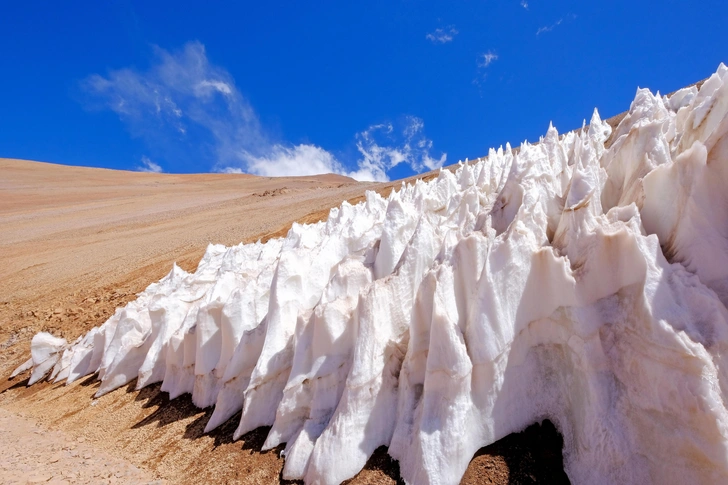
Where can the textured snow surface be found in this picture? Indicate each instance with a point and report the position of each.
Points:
(563, 280)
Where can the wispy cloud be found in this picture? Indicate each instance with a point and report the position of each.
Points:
(180, 101)
(384, 146)
(149, 166)
(549, 28)
(185, 106)
(524, 4)
(485, 60)
(442, 35)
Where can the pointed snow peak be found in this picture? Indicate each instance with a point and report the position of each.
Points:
(595, 119)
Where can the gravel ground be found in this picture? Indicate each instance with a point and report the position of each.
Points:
(31, 454)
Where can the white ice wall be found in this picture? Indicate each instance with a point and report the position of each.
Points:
(565, 281)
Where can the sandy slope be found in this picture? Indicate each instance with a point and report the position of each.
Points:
(78, 242)
(72, 235)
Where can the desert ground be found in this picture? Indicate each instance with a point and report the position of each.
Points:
(78, 242)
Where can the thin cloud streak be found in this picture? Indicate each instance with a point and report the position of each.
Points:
(549, 28)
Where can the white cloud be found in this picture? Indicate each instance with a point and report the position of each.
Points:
(549, 28)
(184, 106)
(483, 61)
(290, 161)
(205, 87)
(149, 166)
(383, 148)
(231, 170)
(524, 4)
(486, 59)
(414, 126)
(442, 36)
(183, 103)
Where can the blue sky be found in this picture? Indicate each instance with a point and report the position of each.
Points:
(372, 89)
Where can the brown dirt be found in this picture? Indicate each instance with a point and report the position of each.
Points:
(78, 242)
(33, 455)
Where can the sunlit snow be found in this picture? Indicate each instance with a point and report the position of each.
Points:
(563, 280)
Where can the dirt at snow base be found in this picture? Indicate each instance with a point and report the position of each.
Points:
(30, 454)
(166, 439)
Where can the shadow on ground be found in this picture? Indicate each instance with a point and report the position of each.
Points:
(533, 456)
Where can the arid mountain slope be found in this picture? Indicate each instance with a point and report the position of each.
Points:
(71, 235)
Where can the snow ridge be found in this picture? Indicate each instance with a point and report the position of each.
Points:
(565, 281)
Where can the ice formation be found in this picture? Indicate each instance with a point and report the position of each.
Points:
(566, 280)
